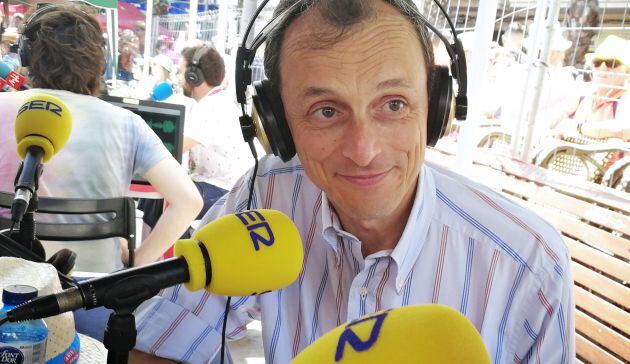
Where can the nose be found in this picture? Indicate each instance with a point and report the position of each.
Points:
(361, 141)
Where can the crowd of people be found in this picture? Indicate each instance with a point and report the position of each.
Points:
(381, 226)
(590, 104)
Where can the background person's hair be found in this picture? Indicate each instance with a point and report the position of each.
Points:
(211, 64)
(342, 15)
(67, 51)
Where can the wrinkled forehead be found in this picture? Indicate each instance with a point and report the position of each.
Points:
(386, 27)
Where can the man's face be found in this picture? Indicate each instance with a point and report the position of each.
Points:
(186, 88)
(357, 111)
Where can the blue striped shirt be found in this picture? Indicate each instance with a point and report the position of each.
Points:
(464, 246)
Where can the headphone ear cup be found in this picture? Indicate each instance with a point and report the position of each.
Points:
(270, 109)
(440, 101)
(192, 77)
(63, 260)
(24, 50)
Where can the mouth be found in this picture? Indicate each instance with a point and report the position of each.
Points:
(365, 180)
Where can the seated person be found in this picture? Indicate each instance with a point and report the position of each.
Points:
(381, 228)
(107, 145)
(605, 112)
(217, 156)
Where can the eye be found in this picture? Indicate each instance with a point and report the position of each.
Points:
(326, 112)
(395, 105)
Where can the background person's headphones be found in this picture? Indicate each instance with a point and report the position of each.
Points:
(193, 74)
(268, 121)
(28, 32)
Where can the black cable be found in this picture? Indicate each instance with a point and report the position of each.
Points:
(12, 229)
(5, 319)
(252, 148)
(227, 310)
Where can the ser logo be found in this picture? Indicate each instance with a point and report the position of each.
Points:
(348, 336)
(258, 228)
(41, 105)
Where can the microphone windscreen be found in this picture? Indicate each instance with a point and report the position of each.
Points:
(409, 334)
(250, 252)
(4, 70)
(161, 91)
(42, 121)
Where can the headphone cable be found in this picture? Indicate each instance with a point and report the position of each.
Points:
(252, 148)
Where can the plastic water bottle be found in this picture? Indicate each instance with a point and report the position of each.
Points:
(21, 342)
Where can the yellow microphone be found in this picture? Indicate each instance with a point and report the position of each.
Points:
(42, 128)
(409, 334)
(43, 121)
(240, 254)
(249, 252)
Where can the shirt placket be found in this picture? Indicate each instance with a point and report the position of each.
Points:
(361, 297)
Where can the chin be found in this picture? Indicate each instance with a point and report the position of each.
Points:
(367, 208)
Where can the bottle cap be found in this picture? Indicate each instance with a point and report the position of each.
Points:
(17, 294)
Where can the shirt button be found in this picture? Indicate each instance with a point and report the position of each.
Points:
(363, 291)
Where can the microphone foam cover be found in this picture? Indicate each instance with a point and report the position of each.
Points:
(161, 91)
(252, 252)
(409, 334)
(189, 249)
(42, 121)
(4, 70)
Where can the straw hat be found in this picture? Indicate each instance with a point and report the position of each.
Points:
(613, 47)
(64, 344)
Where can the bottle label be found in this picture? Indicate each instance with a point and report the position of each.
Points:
(22, 353)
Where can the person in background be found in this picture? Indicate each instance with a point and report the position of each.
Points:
(604, 112)
(139, 30)
(17, 20)
(381, 227)
(217, 155)
(107, 146)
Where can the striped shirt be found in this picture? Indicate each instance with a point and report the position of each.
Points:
(464, 246)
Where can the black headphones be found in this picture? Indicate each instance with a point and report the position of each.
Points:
(268, 121)
(193, 74)
(28, 33)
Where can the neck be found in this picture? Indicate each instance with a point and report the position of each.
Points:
(382, 232)
(201, 91)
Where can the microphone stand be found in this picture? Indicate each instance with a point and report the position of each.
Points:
(124, 298)
(27, 226)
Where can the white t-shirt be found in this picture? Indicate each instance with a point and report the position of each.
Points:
(107, 146)
(221, 156)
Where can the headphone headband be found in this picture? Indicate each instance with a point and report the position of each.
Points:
(200, 52)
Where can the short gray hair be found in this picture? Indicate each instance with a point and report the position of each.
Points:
(342, 15)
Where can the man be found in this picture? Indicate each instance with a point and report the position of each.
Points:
(107, 146)
(380, 227)
(217, 154)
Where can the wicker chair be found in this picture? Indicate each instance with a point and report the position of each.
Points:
(583, 157)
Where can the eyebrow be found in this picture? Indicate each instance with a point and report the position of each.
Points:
(314, 91)
(391, 83)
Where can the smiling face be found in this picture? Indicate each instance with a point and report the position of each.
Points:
(357, 110)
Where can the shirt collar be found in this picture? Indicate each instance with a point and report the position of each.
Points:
(413, 237)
